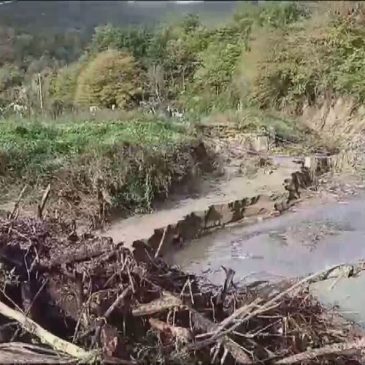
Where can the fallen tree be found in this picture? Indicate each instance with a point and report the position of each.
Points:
(74, 299)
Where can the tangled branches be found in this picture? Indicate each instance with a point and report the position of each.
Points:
(66, 298)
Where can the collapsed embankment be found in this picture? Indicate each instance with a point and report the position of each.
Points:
(114, 304)
(102, 170)
(199, 223)
(341, 122)
(98, 168)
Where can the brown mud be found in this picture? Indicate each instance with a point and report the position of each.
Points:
(199, 223)
(324, 229)
(210, 191)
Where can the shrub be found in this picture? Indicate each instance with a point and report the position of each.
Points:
(112, 77)
(64, 82)
(271, 14)
(133, 40)
(10, 76)
(212, 87)
(308, 60)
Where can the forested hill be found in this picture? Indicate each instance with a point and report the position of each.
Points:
(85, 15)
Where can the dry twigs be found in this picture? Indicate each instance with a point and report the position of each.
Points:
(43, 201)
(180, 333)
(334, 349)
(134, 309)
(246, 313)
(23, 353)
(167, 301)
(15, 212)
(161, 242)
(45, 336)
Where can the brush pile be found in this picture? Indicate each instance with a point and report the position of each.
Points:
(70, 299)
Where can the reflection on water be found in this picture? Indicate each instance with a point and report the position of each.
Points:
(290, 245)
(348, 293)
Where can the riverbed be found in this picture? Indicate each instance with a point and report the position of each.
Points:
(233, 185)
(311, 239)
(294, 244)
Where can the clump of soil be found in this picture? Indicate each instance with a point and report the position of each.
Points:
(114, 305)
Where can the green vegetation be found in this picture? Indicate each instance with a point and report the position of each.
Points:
(324, 54)
(63, 84)
(132, 161)
(268, 59)
(259, 57)
(111, 78)
(184, 63)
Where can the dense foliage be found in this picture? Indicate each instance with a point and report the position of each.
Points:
(111, 78)
(311, 59)
(272, 56)
(186, 63)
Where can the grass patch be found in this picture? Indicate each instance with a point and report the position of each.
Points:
(115, 165)
(31, 146)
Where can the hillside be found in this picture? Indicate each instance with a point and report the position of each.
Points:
(59, 16)
(221, 139)
(135, 96)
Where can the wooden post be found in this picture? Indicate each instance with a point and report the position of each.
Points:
(40, 91)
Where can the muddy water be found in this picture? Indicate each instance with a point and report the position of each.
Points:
(221, 190)
(294, 244)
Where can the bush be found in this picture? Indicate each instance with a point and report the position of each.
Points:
(217, 67)
(212, 87)
(112, 77)
(64, 82)
(285, 76)
(347, 59)
(10, 76)
(175, 50)
(133, 40)
(271, 14)
(308, 60)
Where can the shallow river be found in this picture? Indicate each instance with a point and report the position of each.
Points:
(293, 244)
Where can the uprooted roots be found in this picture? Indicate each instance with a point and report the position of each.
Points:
(68, 299)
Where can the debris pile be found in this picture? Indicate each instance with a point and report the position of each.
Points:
(80, 299)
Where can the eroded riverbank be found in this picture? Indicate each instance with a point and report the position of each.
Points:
(86, 271)
(323, 231)
(310, 239)
(211, 191)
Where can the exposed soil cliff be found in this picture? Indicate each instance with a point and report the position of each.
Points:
(341, 122)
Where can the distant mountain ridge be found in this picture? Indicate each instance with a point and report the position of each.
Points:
(58, 16)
